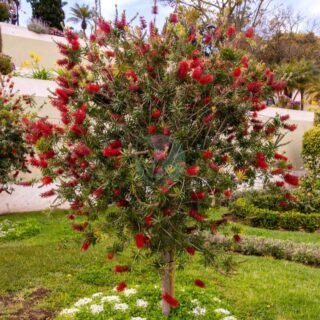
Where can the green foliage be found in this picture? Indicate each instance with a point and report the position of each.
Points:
(305, 253)
(38, 26)
(270, 219)
(10, 230)
(49, 11)
(6, 65)
(4, 13)
(311, 144)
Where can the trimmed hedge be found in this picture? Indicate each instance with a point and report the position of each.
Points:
(270, 219)
(306, 253)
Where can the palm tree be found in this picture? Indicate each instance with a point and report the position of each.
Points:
(81, 13)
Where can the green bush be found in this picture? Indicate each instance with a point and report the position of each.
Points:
(4, 13)
(6, 65)
(311, 143)
(271, 219)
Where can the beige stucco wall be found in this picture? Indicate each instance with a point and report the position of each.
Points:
(17, 42)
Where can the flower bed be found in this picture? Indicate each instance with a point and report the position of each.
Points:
(144, 303)
(244, 209)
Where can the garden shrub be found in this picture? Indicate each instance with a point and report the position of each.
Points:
(6, 64)
(270, 219)
(38, 26)
(4, 13)
(311, 144)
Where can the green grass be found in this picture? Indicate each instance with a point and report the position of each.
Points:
(259, 289)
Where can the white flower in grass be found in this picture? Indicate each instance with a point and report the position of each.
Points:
(98, 294)
(229, 318)
(198, 311)
(69, 311)
(138, 318)
(223, 311)
(82, 302)
(142, 303)
(195, 301)
(110, 299)
(121, 306)
(96, 308)
(129, 292)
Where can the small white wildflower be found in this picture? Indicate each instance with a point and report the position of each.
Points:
(96, 308)
(138, 318)
(98, 294)
(110, 299)
(82, 302)
(230, 318)
(69, 311)
(223, 311)
(121, 306)
(142, 303)
(195, 301)
(129, 292)
(198, 311)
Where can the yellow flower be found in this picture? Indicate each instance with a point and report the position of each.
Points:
(31, 54)
(241, 175)
(26, 64)
(37, 58)
(170, 169)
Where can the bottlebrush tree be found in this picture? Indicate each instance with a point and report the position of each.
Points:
(157, 127)
(13, 149)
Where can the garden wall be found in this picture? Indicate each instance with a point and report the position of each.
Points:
(304, 120)
(17, 42)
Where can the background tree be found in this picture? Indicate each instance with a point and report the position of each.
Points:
(4, 12)
(50, 11)
(81, 14)
(153, 132)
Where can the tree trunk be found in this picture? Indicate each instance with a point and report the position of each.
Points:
(302, 98)
(168, 279)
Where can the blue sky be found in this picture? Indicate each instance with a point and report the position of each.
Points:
(309, 8)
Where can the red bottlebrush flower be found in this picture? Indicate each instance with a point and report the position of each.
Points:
(46, 180)
(159, 155)
(84, 164)
(244, 62)
(206, 100)
(25, 183)
(208, 118)
(62, 62)
(121, 269)
(81, 150)
(148, 219)
(121, 286)
(110, 152)
(152, 129)
(191, 250)
(110, 255)
(47, 194)
(291, 179)
(85, 245)
(115, 144)
(290, 166)
(199, 283)
(109, 53)
(166, 131)
(174, 303)
(183, 69)
(198, 195)
(236, 72)
(167, 212)
(98, 192)
(193, 213)
(116, 192)
(208, 78)
(282, 204)
(197, 73)
(213, 166)
(280, 183)
(173, 18)
(75, 45)
(193, 171)
(92, 87)
(255, 87)
(227, 193)
(122, 203)
(285, 117)
(280, 157)
(164, 189)
(231, 31)
(156, 114)
(71, 216)
(236, 238)
(80, 227)
(261, 161)
(140, 240)
(225, 158)
(134, 87)
(207, 155)
(279, 85)
(157, 170)
(249, 33)
(290, 127)
(131, 75)
(104, 26)
(290, 197)
(277, 171)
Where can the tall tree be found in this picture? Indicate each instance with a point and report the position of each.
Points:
(81, 14)
(50, 11)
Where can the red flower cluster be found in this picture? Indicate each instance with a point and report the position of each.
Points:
(174, 303)
(261, 161)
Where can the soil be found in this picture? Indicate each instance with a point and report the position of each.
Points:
(15, 307)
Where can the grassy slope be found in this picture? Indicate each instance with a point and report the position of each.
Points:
(261, 288)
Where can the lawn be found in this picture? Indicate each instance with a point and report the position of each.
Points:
(45, 273)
